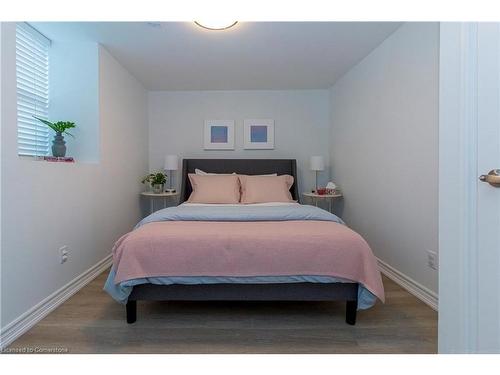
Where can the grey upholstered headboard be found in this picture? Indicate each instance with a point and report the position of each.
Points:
(241, 166)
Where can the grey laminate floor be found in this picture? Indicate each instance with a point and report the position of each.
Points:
(91, 322)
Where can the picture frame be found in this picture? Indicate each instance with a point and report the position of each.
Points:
(219, 135)
(258, 134)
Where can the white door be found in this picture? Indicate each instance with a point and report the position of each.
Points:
(488, 195)
(469, 280)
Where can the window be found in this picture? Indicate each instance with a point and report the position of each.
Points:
(32, 72)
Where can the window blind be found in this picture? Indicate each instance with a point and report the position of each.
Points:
(32, 74)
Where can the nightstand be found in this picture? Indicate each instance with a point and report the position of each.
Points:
(315, 198)
(155, 196)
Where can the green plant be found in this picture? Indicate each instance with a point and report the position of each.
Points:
(60, 127)
(156, 178)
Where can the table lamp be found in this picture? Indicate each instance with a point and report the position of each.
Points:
(171, 165)
(317, 163)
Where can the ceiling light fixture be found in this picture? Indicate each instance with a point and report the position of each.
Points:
(216, 25)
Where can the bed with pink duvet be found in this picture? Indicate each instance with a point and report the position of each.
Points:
(260, 251)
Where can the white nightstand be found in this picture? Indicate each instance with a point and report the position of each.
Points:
(155, 196)
(317, 197)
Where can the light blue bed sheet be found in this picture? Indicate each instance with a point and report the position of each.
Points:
(120, 292)
(291, 212)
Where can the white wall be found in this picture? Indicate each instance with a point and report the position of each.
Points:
(384, 148)
(74, 87)
(301, 125)
(86, 206)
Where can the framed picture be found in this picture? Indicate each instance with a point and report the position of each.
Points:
(258, 134)
(219, 135)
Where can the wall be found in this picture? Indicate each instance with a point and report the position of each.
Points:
(86, 206)
(384, 148)
(74, 86)
(301, 125)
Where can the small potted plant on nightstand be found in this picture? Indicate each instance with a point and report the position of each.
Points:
(157, 181)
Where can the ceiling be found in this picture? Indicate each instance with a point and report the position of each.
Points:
(251, 55)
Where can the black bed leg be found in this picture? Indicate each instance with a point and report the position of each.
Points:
(131, 311)
(350, 312)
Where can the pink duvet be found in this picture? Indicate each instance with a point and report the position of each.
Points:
(272, 248)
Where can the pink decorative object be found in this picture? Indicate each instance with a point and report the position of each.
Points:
(321, 191)
(330, 188)
(59, 159)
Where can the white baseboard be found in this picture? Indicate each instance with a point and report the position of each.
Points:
(27, 320)
(424, 294)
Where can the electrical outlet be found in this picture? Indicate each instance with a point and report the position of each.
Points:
(432, 259)
(63, 254)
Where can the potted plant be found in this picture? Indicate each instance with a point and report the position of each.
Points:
(157, 181)
(60, 127)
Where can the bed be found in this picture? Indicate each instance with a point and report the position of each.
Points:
(135, 277)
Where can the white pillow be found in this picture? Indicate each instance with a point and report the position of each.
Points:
(199, 172)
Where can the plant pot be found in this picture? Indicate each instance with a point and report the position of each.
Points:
(58, 146)
(157, 188)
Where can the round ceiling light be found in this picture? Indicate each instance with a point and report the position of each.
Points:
(216, 25)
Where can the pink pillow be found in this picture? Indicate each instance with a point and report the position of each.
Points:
(263, 189)
(214, 189)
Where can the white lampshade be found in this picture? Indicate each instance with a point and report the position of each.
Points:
(317, 163)
(171, 163)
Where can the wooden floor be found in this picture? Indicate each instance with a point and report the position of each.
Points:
(91, 322)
